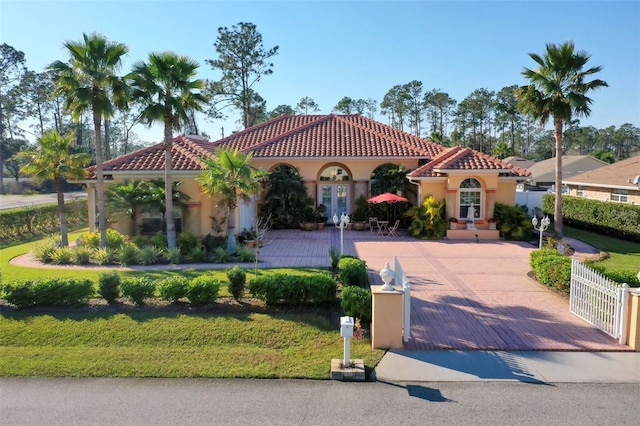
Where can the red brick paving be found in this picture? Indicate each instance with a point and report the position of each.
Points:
(465, 295)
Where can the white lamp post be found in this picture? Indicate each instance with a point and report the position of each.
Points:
(344, 220)
(544, 224)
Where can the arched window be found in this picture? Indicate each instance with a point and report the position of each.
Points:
(334, 173)
(470, 195)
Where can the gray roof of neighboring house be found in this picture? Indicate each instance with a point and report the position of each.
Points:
(518, 162)
(544, 171)
(620, 174)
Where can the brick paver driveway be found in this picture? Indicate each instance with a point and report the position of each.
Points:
(465, 295)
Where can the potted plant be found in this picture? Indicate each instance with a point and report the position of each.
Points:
(453, 223)
(308, 219)
(247, 237)
(359, 216)
(321, 218)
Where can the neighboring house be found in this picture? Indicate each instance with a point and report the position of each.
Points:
(617, 182)
(523, 163)
(336, 155)
(543, 173)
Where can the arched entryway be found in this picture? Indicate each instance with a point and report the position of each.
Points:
(334, 189)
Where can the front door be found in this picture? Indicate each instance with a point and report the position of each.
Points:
(335, 197)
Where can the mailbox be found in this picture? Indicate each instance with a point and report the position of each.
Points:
(346, 326)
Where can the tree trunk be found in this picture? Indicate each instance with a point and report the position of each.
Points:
(232, 224)
(102, 218)
(557, 210)
(1, 149)
(107, 141)
(168, 187)
(61, 214)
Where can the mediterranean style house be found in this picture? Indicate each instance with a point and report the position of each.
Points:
(336, 155)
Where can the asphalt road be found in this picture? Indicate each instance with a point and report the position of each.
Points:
(68, 401)
(14, 201)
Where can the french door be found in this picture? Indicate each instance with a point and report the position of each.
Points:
(335, 197)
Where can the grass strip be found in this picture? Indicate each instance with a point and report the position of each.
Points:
(173, 345)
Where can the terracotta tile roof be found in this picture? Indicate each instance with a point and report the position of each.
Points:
(458, 158)
(617, 174)
(314, 136)
(291, 136)
(186, 152)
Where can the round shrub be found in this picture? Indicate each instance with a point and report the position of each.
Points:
(81, 255)
(137, 289)
(237, 279)
(89, 239)
(61, 256)
(173, 256)
(148, 255)
(244, 254)
(109, 285)
(43, 252)
(353, 272)
(104, 256)
(128, 255)
(187, 241)
(555, 271)
(173, 288)
(203, 290)
(356, 302)
(19, 293)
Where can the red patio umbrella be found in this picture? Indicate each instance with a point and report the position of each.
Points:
(388, 198)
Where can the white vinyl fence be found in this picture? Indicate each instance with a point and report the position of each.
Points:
(401, 280)
(598, 300)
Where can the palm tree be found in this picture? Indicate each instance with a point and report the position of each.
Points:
(89, 82)
(230, 175)
(125, 198)
(54, 159)
(165, 88)
(557, 88)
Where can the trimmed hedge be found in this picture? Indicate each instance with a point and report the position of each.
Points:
(294, 290)
(137, 289)
(237, 279)
(203, 290)
(551, 268)
(173, 288)
(615, 219)
(356, 302)
(621, 277)
(41, 218)
(109, 286)
(353, 272)
(49, 292)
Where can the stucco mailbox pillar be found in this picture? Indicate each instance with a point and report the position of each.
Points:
(386, 324)
(633, 320)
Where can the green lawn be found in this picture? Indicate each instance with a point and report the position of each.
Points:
(624, 255)
(152, 343)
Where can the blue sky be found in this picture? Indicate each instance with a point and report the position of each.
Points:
(355, 48)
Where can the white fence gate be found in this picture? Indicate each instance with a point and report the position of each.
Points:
(598, 300)
(401, 280)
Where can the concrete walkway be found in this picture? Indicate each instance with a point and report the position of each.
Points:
(518, 366)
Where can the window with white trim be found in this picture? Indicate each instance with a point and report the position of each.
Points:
(580, 191)
(470, 195)
(619, 195)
